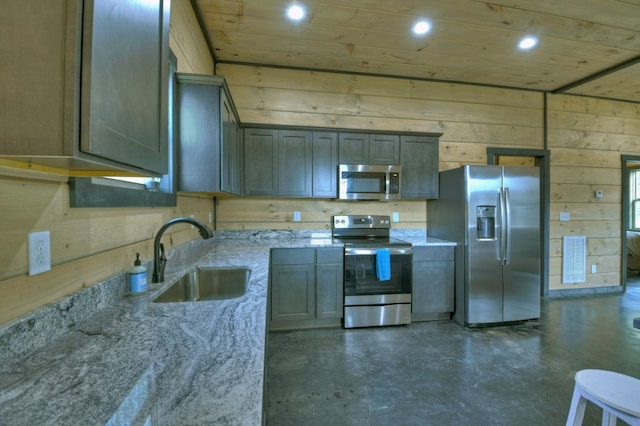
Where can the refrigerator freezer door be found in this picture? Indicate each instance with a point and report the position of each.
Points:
(521, 274)
(483, 292)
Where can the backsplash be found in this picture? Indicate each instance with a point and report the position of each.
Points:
(31, 331)
(35, 329)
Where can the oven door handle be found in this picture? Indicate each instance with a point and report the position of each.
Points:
(369, 251)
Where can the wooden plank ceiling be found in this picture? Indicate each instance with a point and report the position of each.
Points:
(586, 47)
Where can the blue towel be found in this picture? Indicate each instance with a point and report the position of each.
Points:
(383, 264)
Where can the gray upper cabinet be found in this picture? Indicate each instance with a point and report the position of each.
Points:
(353, 148)
(210, 143)
(277, 162)
(419, 159)
(230, 149)
(294, 163)
(260, 162)
(96, 96)
(384, 149)
(364, 148)
(325, 164)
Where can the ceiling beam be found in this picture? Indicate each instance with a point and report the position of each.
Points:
(598, 75)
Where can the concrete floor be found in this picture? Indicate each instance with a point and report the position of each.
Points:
(439, 373)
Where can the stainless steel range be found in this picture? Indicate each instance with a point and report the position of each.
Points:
(377, 271)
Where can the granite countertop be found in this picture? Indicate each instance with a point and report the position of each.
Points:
(171, 363)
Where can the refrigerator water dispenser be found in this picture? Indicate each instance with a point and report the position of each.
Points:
(486, 223)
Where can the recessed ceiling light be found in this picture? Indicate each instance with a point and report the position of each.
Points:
(421, 27)
(295, 12)
(528, 42)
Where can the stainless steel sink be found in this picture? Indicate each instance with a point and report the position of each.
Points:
(207, 284)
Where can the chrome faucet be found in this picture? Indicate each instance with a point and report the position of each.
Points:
(159, 259)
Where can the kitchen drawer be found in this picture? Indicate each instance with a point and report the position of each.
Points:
(330, 255)
(291, 256)
(432, 253)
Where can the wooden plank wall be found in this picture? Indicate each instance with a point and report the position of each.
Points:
(87, 244)
(277, 213)
(471, 118)
(587, 138)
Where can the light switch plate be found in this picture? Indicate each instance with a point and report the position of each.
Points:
(39, 252)
(296, 216)
(395, 217)
(565, 216)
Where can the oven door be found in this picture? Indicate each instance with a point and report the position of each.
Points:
(361, 280)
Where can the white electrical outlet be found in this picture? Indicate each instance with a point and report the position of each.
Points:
(395, 217)
(594, 269)
(565, 216)
(192, 216)
(296, 216)
(210, 217)
(39, 252)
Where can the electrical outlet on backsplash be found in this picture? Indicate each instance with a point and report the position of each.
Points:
(36, 329)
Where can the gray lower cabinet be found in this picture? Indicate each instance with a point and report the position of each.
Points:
(329, 283)
(433, 283)
(305, 288)
(419, 159)
(277, 162)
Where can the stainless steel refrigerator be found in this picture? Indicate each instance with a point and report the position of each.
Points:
(493, 213)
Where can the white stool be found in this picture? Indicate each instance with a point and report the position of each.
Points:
(618, 396)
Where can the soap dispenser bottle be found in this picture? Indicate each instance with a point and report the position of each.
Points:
(137, 277)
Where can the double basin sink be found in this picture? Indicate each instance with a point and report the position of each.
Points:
(204, 284)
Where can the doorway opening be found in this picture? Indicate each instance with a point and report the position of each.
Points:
(630, 269)
(532, 158)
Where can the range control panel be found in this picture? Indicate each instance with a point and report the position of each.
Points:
(361, 222)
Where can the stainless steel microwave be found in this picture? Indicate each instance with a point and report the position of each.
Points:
(368, 182)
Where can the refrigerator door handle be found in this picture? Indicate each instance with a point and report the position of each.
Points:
(501, 216)
(507, 211)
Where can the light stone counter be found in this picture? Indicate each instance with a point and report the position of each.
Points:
(427, 241)
(418, 237)
(101, 357)
(129, 361)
